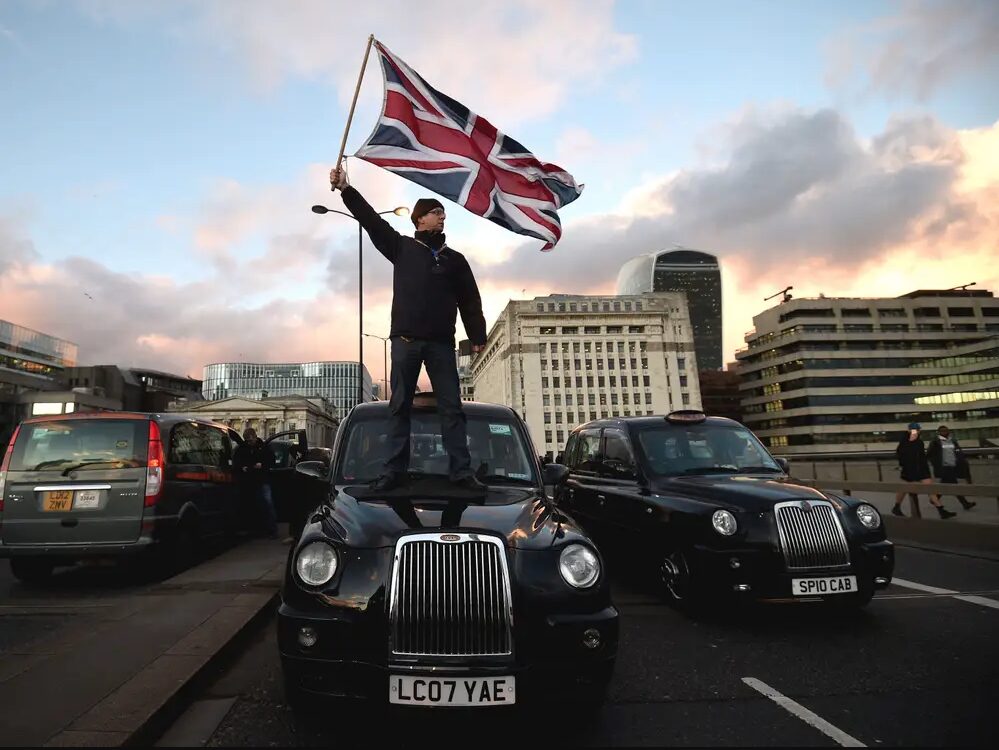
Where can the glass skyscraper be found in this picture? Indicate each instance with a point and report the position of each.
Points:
(683, 270)
(336, 381)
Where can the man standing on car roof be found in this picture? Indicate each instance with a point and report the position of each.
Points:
(431, 283)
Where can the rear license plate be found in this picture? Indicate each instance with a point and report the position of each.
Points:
(87, 500)
(824, 586)
(458, 691)
(57, 500)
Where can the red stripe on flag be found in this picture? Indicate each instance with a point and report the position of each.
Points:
(407, 83)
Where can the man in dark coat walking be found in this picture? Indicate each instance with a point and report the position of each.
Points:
(946, 458)
(431, 284)
(911, 454)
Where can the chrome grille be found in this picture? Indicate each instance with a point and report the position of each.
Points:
(811, 538)
(450, 598)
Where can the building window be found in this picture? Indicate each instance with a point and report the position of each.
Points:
(548, 436)
(544, 382)
(572, 307)
(547, 330)
(593, 415)
(641, 346)
(634, 364)
(570, 330)
(586, 347)
(600, 364)
(686, 398)
(558, 399)
(613, 329)
(603, 399)
(622, 363)
(565, 364)
(591, 329)
(558, 417)
(610, 364)
(634, 378)
(592, 399)
(568, 399)
(613, 381)
(599, 347)
(636, 329)
(577, 365)
(645, 380)
(637, 398)
(556, 383)
(600, 380)
(625, 398)
(683, 381)
(548, 417)
(544, 364)
(614, 399)
(561, 437)
(617, 307)
(546, 400)
(579, 381)
(589, 381)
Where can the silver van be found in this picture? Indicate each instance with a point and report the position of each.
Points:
(115, 483)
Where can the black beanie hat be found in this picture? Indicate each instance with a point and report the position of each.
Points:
(423, 207)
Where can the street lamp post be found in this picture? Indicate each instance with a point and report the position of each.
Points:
(398, 211)
(384, 362)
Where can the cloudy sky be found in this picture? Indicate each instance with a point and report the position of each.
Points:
(158, 159)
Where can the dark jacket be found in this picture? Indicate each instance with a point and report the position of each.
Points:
(935, 454)
(247, 456)
(427, 292)
(912, 459)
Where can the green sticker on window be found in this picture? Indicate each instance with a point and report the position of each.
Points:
(500, 429)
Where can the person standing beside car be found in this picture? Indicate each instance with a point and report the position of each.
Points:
(252, 464)
(946, 457)
(431, 284)
(911, 454)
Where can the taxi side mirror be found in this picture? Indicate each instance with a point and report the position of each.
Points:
(784, 464)
(312, 469)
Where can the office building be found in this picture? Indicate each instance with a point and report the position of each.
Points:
(30, 362)
(335, 381)
(833, 375)
(563, 360)
(720, 396)
(132, 388)
(463, 356)
(683, 270)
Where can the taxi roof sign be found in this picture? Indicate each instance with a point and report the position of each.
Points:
(686, 416)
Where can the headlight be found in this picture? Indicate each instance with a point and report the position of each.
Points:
(316, 563)
(724, 522)
(579, 566)
(868, 516)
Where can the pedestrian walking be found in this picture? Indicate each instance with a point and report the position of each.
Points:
(252, 464)
(911, 454)
(431, 284)
(948, 461)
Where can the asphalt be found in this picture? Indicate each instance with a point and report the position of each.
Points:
(913, 669)
(98, 659)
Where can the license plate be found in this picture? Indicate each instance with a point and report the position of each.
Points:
(57, 500)
(447, 691)
(824, 586)
(86, 499)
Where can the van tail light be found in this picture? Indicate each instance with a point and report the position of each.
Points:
(154, 466)
(6, 463)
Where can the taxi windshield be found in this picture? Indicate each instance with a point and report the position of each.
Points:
(498, 451)
(705, 448)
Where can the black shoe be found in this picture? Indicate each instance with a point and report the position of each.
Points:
(944, 513)
(968, 504)
(469, 483)
(387, 482)
(897, 511)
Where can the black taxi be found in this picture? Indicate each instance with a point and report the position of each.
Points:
(701, 503)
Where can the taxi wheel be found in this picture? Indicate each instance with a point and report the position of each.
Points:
(32, 570)
(675, 574)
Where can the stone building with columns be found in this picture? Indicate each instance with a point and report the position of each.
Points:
(269, 416)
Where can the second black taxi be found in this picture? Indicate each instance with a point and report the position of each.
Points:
(703, 505)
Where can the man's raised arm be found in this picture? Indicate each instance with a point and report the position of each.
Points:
(382, 234)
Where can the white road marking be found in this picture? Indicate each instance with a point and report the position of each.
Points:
(809, 717)
(956, 594)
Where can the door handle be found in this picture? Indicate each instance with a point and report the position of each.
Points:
(601, 498)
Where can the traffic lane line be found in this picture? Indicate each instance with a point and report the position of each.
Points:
(971, 598)
(809, 717)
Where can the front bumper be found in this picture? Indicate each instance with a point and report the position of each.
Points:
(759, 573)
(550, 659)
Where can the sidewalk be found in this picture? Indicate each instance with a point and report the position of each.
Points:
(974, 532)
(104, 685)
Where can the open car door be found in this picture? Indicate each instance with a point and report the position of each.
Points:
(289, 448)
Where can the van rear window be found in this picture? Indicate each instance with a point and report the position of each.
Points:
(80, 444)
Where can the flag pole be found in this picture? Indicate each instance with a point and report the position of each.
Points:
(357, 89)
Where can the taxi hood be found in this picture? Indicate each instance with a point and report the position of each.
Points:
(756, 493)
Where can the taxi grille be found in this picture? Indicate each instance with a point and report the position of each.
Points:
(811, 538)
(451, 598)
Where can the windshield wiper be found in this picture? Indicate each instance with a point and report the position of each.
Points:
(729, 470)
(82, 464)
(504, 478)
(756, 469)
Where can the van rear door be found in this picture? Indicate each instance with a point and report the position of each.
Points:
(76, 481)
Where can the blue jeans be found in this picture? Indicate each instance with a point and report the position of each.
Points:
(265, 502)
(407, 358)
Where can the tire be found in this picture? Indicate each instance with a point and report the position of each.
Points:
(32, 570)
(679, 582)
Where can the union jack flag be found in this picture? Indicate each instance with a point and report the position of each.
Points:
(429, 138)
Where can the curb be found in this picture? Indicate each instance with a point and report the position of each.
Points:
(973, 539)
(141, 709)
